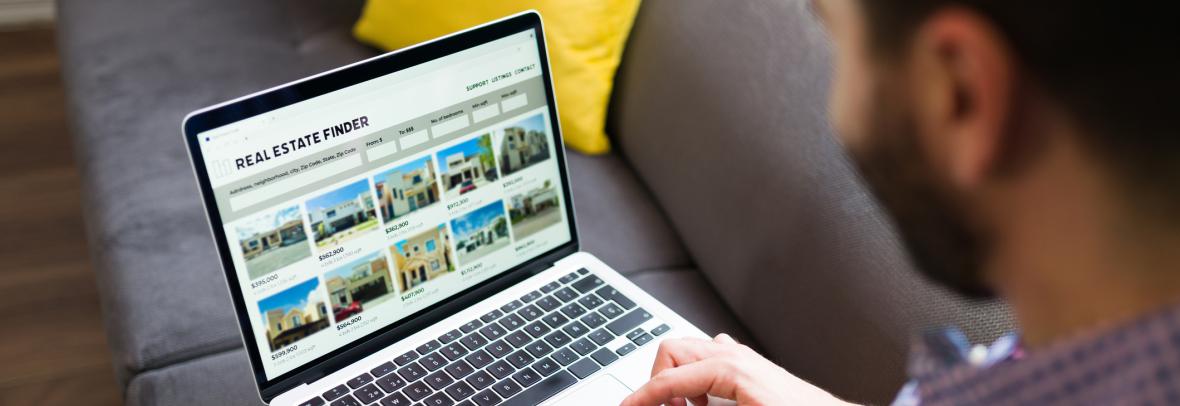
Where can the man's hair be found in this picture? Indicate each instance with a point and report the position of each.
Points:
(1112, 66)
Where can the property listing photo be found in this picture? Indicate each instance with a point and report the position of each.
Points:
(423, 257)
(527, 202)
(467, 166)
(342, 214)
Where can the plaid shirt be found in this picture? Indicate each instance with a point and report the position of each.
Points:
(1134, 364)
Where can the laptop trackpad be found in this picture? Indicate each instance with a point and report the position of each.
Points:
(604, 390)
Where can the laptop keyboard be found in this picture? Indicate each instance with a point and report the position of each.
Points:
(520, 354)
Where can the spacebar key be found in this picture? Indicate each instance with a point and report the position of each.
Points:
(543, 390)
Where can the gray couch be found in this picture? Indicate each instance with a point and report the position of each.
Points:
(726, 197)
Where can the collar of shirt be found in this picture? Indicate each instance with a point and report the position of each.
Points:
(1137, 362)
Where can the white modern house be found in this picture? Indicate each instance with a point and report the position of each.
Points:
(521, 148)
(403, 192)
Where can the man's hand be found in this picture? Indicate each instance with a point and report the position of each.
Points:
(694, 369)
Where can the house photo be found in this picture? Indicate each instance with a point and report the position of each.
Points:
(294, 313)
(342, 214)
(423, 257)
(524, 144)
(407, 188)
(363, 283)
(534, 210)
(480, 232)
(467, 166)
(271, 240)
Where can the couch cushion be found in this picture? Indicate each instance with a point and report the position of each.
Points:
(189, 382)
(721, 110)
(130, 84)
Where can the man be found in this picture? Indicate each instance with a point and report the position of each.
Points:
(1026, 150)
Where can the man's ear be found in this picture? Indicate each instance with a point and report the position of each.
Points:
(962, 85)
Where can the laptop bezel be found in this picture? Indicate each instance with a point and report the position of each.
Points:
(301, 90)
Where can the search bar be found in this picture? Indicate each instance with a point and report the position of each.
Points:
(277, 188)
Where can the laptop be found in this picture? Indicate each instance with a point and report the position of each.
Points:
(400, 231)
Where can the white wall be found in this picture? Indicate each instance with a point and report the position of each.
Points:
(21, 12)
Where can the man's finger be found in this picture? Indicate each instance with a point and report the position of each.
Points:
(692, 381)
(677, 352)
(724, 339)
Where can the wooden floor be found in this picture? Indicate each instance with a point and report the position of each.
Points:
(52, 345)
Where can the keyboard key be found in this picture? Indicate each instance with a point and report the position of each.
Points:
(584, 368)
(548, 303)
(531, 296)
(316, 401)
(335, 393)
(519, 339)
(406, 358)
(428, 347)
(583, 346)
(593, 320)
(546, 366)
(573, 310)
(433, 361)
(391, 383)
(555, 319)
(544, 390)
(611, 310)
(500, 369)
(566, 295)
(565, 356)
(439, 399)
(417, 391)
(549, 287)
(642, 339)
(539, 349)
(529, 313)
(449, 336)
(575, 329)
(526, 377)
(537, 329)
(470, 326)
(480, 380)
(572, 276)
(453, 351)
(635, 333)
(604, 356)
(486, 398)
(520, 359)
(473, 341)
(492, 332)
(368, 394)
(360, 381)
(499, 348)
(583, 271)
(610, 293)
(660, 330)
(511, 306)
(479, 359)
(383, 369)
(629, 322)
(346, 401)
(491, 316)
(512, 322)
(588, 283)
(439, 380)
(626, 349)
(460, 390)
(396, 399)
(506, 388)
(460, 369)
(412, 372)
(601, 336)
(590, 301)
(465, 403)
(558, 339)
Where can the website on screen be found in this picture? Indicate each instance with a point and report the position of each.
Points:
(350, 211)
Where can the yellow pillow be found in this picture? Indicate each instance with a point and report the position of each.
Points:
(585, 37)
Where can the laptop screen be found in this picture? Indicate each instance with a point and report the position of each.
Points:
(351, 210)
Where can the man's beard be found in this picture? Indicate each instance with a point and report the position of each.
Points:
(932, 223)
